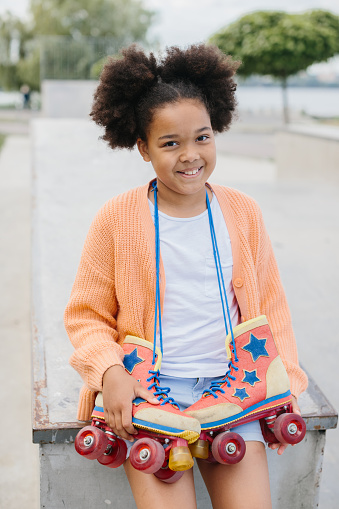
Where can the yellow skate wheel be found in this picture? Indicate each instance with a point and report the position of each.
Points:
(180, 459)
(199, 449)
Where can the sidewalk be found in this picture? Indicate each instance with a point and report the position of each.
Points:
(19, 474)
(16, 121)
(302, 221)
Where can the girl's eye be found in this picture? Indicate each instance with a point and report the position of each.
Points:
(203, 137)
(170, 144)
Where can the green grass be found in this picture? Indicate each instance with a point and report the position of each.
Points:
(331, 121)
(2, 140)
(327, 120)
(7, 107)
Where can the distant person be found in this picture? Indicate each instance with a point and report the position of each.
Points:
(168, 271)
(26, 96)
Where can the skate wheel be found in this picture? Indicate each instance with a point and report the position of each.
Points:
(228, 447)
(91, 442)
(147, 455)
(168, 476)
(115, 454)
(289, 428)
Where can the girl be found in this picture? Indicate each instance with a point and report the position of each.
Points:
(171, 109)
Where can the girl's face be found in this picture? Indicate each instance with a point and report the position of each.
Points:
(181, 147)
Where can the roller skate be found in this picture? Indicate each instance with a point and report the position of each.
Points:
(164, 432)
(256, 387)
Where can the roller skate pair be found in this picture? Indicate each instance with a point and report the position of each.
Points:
(164, 432)
(256, 387)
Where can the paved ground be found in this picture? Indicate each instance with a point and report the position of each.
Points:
(304, 234)
(19, 472)
(302, 219)
(16, 121)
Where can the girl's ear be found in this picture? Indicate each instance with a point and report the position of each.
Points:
(143, 149)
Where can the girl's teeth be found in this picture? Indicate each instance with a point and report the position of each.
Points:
(193, 172)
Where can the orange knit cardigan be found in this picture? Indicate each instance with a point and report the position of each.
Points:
(114, 290)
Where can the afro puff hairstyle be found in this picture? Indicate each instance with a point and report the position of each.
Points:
(134, 85)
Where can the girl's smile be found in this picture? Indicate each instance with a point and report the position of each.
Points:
(181, 147)
(191, 173)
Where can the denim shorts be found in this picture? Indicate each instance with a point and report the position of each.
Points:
(186, 391)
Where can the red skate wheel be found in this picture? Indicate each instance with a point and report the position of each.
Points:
(228, 447)
(289, 428)
(168, 476)
(147, 455)
(91, 442)
(115, 454)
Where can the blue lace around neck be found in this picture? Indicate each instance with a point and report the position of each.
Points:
(215, 386)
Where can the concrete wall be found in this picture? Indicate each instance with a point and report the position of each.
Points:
(307, 151)
(67, 98)
(71, 481)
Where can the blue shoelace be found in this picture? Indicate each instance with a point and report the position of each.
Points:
(161, 392)
(215, 386)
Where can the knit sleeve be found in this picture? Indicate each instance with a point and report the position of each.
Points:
(90, 315)
(274, 305)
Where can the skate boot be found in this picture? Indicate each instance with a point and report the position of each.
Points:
(255, 387)
(164, 432)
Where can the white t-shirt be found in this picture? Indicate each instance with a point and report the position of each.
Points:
(193, 326)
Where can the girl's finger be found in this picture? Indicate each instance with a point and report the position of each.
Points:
(120, 429)
(295, 406)
(282, 449)
(147, 395)
(109, 419)
(117, 424)
(127, 423)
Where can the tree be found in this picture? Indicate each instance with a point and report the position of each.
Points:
(13, 36)
(121, 21)
(28, 67)
(124, 20)
(279, 44)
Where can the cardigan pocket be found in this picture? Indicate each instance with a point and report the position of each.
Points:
(211, 278)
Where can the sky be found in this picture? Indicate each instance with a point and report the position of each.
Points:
(183, 22)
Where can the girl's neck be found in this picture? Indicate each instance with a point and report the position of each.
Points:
(180, 205)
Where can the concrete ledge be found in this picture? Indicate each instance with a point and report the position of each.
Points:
(73, 175)
(310, 152)
(317, 411)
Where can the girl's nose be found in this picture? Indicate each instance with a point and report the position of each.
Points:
(189, 154)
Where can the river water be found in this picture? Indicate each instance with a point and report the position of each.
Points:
(314, 101)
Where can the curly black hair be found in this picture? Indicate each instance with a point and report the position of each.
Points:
(134, 85)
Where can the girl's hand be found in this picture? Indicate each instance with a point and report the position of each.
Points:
(118, 392)
(281, 447)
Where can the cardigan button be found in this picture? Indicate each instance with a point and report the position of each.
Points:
(238, 282)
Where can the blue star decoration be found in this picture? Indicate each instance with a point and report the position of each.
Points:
(241, 394)
(131, 360)
(256, 347)
(250, 377)
(138, 401)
